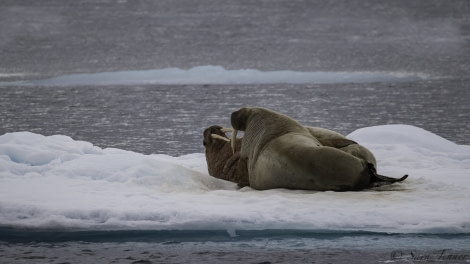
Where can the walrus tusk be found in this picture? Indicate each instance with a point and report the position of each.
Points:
(226, 129)
(220, 137)
(234, 140)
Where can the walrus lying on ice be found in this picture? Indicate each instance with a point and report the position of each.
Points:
(221, 159)
(278, 152)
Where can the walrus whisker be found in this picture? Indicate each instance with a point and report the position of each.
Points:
(234, 140)
(226, 129)
(220, 137)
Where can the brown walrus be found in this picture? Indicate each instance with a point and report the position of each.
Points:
(222, 161)
(278, 152)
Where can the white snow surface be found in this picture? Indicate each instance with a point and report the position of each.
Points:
(210, 74)
(55, 182)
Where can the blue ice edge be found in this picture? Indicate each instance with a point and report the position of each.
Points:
(203, 75)
(19, 235)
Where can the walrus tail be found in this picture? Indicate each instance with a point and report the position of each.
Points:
(380, 180)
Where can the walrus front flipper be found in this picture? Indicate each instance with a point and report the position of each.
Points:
(379, 180)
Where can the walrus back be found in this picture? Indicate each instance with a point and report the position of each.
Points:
(325, 135)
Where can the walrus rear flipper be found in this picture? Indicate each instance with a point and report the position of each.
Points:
(379, 180)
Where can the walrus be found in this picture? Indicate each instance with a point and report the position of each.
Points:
(221, 159)
(278, 152)
(221, 162)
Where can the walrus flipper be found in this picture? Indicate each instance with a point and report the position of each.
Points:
(389, 179)
(379, 180)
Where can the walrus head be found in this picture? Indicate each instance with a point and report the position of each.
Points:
(239, 120)
(215, 142)
(221, 161)
(215, 132)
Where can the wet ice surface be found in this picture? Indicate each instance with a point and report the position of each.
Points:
(170, 119)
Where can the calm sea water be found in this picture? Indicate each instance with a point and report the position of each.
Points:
(170, 119)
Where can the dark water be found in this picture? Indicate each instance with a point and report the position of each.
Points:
(40, 39)
(265, 251)
(170, 119)
(268, 246)
(208, 252)
(53, 38)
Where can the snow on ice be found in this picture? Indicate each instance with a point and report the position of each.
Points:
(55, 182)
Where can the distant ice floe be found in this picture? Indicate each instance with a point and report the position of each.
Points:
(218, 75)
(55, 182)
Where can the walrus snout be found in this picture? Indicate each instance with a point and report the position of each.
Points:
(215, 132)
(208, 134)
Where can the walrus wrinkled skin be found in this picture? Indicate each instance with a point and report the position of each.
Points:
(278, 152)
(221, 160)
